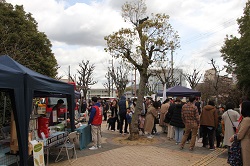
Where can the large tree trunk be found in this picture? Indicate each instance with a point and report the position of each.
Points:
(134, 135)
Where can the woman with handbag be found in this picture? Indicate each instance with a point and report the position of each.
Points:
(228, 117)
(243, 134)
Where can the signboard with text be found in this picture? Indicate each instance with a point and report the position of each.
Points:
(38, 154)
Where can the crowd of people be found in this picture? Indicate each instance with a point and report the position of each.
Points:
(181, 121)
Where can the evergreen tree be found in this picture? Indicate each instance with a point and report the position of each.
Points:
(21, 40)
(236, 50)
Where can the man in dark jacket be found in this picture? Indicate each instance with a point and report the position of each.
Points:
(123, 105)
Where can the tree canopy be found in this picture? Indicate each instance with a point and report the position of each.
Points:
(21, 40)
(236, 50)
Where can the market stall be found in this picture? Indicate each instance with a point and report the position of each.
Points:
(23, 85)
(179, 91)
(85, 136)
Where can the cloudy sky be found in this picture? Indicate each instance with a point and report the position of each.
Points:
(77, 28)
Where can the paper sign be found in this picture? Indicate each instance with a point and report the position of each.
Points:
(38, 154)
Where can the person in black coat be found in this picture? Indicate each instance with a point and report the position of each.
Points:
(176, 121)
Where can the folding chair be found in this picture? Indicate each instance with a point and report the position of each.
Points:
(68, 144)
(5, 132)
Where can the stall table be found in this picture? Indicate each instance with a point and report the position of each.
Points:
(53, 140)
(85, 135)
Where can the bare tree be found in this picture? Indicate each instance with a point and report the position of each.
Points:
(216, 86)
(193, 79)
(86, 76)
(107, 85)
(165, 76)
(216, 79)
(120, 78)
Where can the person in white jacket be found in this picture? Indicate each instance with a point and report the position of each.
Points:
(229, 116)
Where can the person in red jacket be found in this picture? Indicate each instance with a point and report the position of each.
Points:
(95, 120)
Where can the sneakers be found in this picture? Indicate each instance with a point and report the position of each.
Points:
(99, 146)
(150, 137)
(93, 148)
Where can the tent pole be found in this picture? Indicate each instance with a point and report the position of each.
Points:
(4, 108)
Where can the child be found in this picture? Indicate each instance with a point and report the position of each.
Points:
(109, 122)
(141, 123)
(129, 118)
(219, 135)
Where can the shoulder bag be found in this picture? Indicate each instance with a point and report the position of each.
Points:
(232, 122)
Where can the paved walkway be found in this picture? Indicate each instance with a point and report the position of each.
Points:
(161, 152)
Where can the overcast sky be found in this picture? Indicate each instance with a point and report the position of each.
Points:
(77, 28)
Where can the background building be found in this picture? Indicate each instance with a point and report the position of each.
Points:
(156, 85)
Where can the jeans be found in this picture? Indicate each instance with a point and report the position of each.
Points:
(122, 119)
(178, 134)
(189, 128)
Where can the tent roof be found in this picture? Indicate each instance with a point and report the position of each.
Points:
(181, 91)
(24, 84)
(36, 81)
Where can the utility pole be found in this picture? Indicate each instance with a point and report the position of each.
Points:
(135, 82)
(112, 81)
(172, 65)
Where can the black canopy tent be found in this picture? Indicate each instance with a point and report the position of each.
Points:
(23, 84)
(180, 91)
